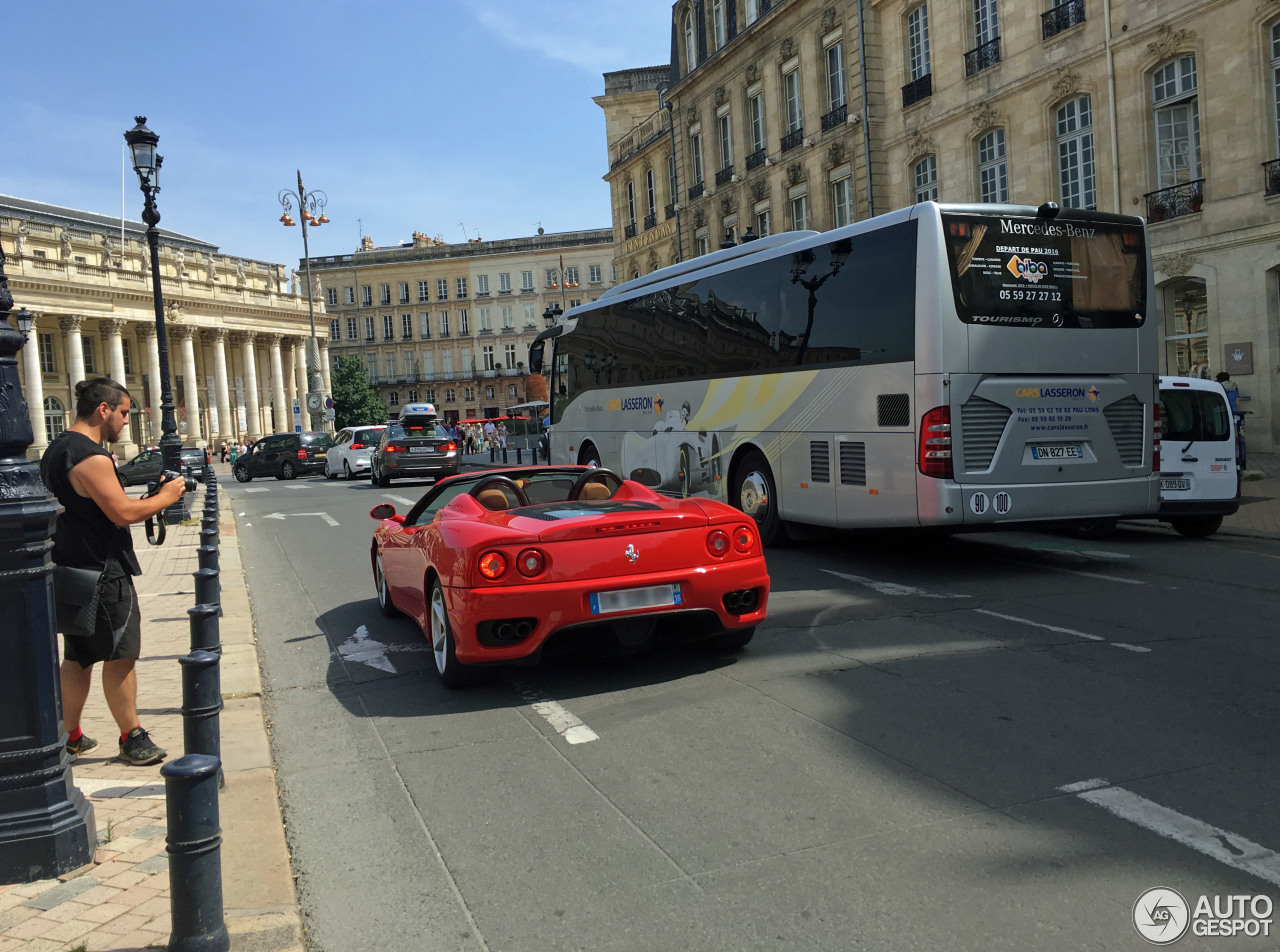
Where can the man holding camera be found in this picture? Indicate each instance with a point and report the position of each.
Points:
(93, 532)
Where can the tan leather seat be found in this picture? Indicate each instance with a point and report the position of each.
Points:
(595, 491)
(494, 499)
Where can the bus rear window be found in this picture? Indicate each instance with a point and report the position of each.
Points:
(1025, 271)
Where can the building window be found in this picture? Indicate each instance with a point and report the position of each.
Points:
(486, 325)
(128, 358)
(352, 332)
(391, 365)
(1075, 154)
(393, 398)
(406, 326)
(509, 356)
(652, 193)
(47, 363)
(404, 292)
(508, 317)
(366, 296)
(720, 28)
(449, 395)
(384, 294)
(442, 289)
(424, 294)
(800, 212)
(993, 168)
(752, 11)
(444, 323)
(55, 420)
(925, 175)
(672, 190)
(552, 276)
(462, 289)
(86, 348)
(333, 297)
(842, 202)
(835, 76)
(1177, 121)
(1186, 339)
(487, 356)
(526, 280)
(764, 221)
(349, 295)
(986, 22)
(335, 329)
(918, 42)
(593, 273)
(690, 44)
(795, 109)
(413, 396)
(1275, 81)
(425, 323)
(530, 316)
(757, 122)
(463, 327)
(372, 362)
(388, 327)
(631, 211)
(504, 284)
(695, 155)
(571, 275)
(482, 284)
(368, 329)
(575, 302)
(488, 393)
(725, 135)
(511, 391)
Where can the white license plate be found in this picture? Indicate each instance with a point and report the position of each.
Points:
(422, 449)
(1182, 484)
(1057, 451)
(656, 596)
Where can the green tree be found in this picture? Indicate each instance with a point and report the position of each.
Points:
(355, 403)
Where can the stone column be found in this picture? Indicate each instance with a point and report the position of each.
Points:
(282, 417)
(254, 417)
(300, 372)
(147, 332)
(190, 384)
(222, 393)
(109, 329)
(75, 349)
(290, 381)
(35, 393)
(324, 365)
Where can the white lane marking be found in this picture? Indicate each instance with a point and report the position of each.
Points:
(259, 489)
(890, 588)
(1128, 647)
(284, 515)
(403, 501)
(1080, 785)
(1037, 624)
(296, 486)
(1223, 845)
(1105, 578)
(566, 723)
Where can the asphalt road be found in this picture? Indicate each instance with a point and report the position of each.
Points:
(883, 768)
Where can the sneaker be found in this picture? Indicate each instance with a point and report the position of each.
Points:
(138, 749)
(82, 746)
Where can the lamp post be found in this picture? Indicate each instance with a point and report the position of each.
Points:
(46, 826)
(552, 314)
(142, 145)
(309, 203)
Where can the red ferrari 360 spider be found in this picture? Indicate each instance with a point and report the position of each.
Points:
(493, 564)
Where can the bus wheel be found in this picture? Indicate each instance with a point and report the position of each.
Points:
(754, 493)
(589, 455)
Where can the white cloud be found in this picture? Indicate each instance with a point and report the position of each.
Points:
(595, 37)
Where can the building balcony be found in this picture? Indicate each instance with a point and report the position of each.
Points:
(1175, 201)
(486, 332)
(1062, 17)
(725, 175)
(835, 117)
(697, 190)
(629, 231)
(1271, 177)
(670, 210)
(650, 220)
(982, 57)
(917, 90)
(792, 140)
(508, 330)
(755, 159)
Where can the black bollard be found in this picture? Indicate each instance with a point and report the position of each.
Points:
(504, 454)
(201, 703)
(519, 455)
(195, 855)
(207, 556)
(205, 631)
(493, 455)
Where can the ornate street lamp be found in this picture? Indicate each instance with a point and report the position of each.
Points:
(142, 145)
(311, 206)
(46, 826)
(552, 314)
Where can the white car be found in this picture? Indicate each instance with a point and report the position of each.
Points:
(352, 452)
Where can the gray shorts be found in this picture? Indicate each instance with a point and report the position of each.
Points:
(118, 635)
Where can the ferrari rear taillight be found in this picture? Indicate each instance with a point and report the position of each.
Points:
(493, 565)
(935, 444)
(531, 562)
(718, 542)
(744, 539)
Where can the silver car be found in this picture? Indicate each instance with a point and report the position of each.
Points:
(352, 451)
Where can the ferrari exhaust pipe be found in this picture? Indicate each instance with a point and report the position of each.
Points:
(524, 629)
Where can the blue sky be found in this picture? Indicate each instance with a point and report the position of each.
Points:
(412, 116)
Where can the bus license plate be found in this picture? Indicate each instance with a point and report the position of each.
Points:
(1182, 484)
(1057, 451)
(656, 596)
(422, 449)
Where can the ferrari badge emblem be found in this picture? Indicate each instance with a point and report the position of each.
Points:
(631, 553)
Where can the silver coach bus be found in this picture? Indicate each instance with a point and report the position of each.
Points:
(954, 366)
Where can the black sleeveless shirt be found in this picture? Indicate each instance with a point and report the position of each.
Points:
(83, 536)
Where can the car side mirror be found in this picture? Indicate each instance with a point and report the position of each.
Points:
(382, 511)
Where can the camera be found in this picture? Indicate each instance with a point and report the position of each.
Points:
(154, 486)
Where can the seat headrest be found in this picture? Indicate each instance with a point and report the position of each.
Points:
(595, 491)
(493, 499)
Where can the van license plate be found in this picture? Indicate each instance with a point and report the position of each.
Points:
(1057, 451)
(656, 596)
(1182, 484)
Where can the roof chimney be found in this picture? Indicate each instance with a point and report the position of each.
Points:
(366, 243)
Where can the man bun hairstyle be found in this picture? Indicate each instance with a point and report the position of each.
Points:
(96, 390)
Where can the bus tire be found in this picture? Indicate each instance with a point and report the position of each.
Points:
(589, 455)
(756, 494)
(1196, 527)
(1097, 528)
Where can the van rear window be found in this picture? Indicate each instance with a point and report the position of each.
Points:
(1194, 416)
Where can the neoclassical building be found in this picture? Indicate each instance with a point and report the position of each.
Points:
(452, 323)
(236, 335)
(783, 114)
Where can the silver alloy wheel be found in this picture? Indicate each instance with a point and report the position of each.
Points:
(753, 498)
(439, 629)
(346, 470)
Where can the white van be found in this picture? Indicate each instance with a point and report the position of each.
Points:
(1199, 479)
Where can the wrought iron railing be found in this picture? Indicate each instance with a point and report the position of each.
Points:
(671, 209)
(1271, 176)
(917, 90)
(982, 57)
(1062, 17)
(1175, 201)
(835, 117)
(755, 159)
(697, 190)
(724, 175)
(792, 139)
(629, 231)
(650, 220)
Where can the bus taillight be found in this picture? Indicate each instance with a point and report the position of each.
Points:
(1155, 441)
(935, 444)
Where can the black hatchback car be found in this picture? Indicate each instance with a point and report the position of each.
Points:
(284, 456)
(416, 447)
(149, 464)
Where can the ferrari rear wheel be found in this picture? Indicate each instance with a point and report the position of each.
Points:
(452, 673)
(384, 592)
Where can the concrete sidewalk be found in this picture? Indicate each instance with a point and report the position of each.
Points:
(1259, 513)
(122, 900)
